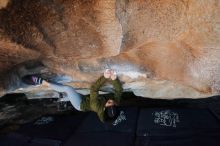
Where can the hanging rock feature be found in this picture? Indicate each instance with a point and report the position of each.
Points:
(160, 49)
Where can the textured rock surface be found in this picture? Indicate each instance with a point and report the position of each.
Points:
(3, 3)
(160, 48)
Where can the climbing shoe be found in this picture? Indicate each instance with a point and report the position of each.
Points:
(32, 80)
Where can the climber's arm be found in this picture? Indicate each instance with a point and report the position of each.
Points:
(118, 90)
(97, 104)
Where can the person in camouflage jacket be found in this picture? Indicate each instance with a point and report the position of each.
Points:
(97, 103)
(94, 102)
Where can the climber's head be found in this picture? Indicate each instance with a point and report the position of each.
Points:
(109, 103)
(111, 111)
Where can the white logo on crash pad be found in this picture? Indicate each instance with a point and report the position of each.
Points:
(44, 121)
(166, 118)
(120, 118)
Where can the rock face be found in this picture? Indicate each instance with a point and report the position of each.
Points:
(159, 48)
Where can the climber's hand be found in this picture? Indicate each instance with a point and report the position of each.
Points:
(113, 75)
(110, 73)
(107, 73)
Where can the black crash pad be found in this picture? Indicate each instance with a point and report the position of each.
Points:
(52, 127)
(177, 127)
(14, 139)
(125, 123)
(93, 132)
(139, 127)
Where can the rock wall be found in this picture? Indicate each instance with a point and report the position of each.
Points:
(159, 48)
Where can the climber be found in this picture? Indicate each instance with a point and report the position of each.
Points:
(104, 107)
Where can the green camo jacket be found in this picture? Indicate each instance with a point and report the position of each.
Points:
(96, 103)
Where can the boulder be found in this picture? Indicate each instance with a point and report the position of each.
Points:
(159, 48)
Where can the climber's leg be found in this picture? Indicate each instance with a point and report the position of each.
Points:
(74, 97)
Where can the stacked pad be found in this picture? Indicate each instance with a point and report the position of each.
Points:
(52, 127)
(44, 131)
